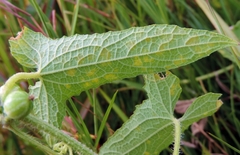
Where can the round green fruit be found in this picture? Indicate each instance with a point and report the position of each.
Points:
(17, 104)
(4, 92)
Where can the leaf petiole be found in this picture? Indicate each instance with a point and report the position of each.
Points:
(177, 136)
(17, 77)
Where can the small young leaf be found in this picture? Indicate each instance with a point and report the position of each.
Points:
(70, 65)
(202, 107)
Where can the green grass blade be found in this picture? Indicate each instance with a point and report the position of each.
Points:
(6, 61)
(104, 120)
(75, 16)
(44, 20)
(231, 147)
(81, 127)
(119, 112)
(66, 22)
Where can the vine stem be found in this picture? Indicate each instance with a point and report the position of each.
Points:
(15, 129)
(21, 76)
(177, 136)
(58, 134)
(7, 87)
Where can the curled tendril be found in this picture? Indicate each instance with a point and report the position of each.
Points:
(62, 148)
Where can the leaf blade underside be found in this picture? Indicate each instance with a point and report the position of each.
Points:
(201, 107)
(150, 129)
(70, 65)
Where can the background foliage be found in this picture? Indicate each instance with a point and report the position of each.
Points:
(215, 73)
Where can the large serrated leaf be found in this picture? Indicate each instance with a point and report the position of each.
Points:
(151, 128)
(70, 65)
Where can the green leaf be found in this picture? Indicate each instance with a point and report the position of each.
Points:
(151, 128)
(70, 65)
(46, 107)
(202, 107)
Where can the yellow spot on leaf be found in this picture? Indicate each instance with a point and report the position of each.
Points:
(138, 128)
(105, 54)
(197, 49)
(148, 40)
(156, 77)
(91, 83)
(180, 62)
(68, 86)
(95, 81)
(147, 59)
(172, 91)
(79, 59)
(71, 72)
(116, 70)
(91, 72)
(145, 50)
(87, 84)
(163, 47)
(110, 77)
(148, 142)
(105, 64)
(193, 41)
(91, 58)
(137, 61)
(146, 153)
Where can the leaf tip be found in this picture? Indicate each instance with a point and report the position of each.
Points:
(219, 104)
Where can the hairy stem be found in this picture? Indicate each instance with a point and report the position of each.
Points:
(177, 136)
(17, 77)
(51, 130)
(22, 76)
(15, 129)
